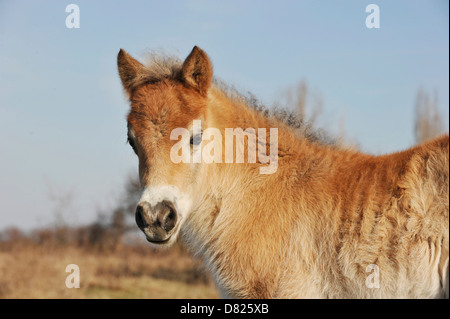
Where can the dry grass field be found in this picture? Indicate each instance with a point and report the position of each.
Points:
(31, 270)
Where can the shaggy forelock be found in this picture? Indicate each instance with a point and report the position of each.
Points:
(157, 67)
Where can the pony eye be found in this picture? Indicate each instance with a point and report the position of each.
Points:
(133, 146)
(196, 140)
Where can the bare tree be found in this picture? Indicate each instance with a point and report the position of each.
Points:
(428, 119)
(308, 105)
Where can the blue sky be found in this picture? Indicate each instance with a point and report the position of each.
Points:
(62, 108)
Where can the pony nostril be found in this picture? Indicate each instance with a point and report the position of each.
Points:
(140, 220)
(170, 220)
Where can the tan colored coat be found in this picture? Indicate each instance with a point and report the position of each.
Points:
(329, 223)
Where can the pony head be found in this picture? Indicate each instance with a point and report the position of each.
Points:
(164, 96)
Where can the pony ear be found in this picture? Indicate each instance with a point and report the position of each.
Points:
(197, 70)
(129, 68)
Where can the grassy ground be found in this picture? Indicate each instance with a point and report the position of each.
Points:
(36, 271)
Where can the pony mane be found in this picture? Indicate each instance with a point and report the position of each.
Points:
(159, 66)
(290, 118)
